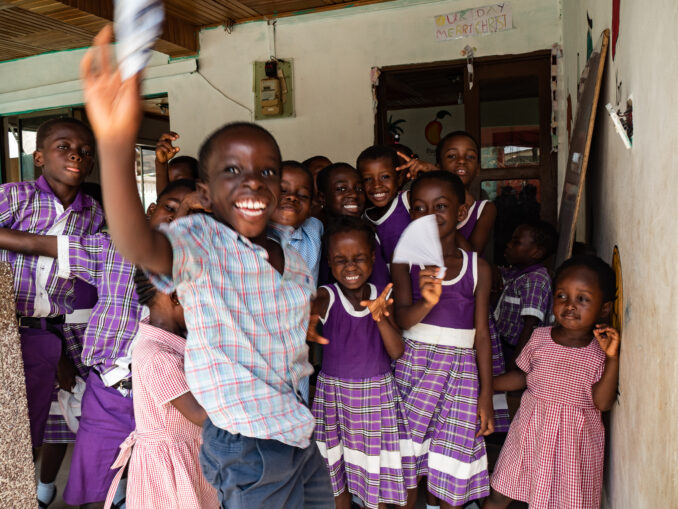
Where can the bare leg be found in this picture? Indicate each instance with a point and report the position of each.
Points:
(93, 505)
(496, 500)
(431, 499)
(411, 498)
(50, 462)
(343, 501)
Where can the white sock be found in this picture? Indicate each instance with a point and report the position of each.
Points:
(45, 491)
(121, 492)
(432, 506)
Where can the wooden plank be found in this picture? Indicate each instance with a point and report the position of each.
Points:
(17, 473)
(580, 146)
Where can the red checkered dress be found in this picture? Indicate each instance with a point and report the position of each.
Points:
(553, 455)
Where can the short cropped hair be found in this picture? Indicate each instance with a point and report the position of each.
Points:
(444, 177)
(377, 152)
(189, 161)
(323, 178)
(48, 126)
(308, 162)
(607, 280)
(177, 184)
(454, 134)
(207, 146)
(347, 224)
(545, 236)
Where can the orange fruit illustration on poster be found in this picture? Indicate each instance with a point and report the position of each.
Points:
(434, 128)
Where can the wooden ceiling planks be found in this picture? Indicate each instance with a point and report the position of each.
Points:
(31, 27)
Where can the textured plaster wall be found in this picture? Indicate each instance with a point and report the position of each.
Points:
(631, 194)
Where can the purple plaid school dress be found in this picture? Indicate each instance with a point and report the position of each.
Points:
(361, 429)
(438, 380)
(391, 225)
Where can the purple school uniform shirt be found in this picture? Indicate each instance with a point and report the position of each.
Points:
(356, 349)
(114, 321)
(527, 292)
(41, 287)
(467, 225)
(391, 225)
(456, 307)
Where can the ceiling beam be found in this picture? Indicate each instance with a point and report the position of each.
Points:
(179, 38)
(175, 30)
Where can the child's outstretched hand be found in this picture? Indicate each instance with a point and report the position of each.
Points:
(164, 150)
(430, 286)
(113, 106)
(608, 339)
(312, 333)
(414, 166)
(379, 306)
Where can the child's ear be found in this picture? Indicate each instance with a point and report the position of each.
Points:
(321, 199)
(151, 208)
(204, 193)
(461, 215)
(38, 160)
(606, 310)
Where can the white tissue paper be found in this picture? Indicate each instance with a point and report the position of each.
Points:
(419, 244)
(138, 24)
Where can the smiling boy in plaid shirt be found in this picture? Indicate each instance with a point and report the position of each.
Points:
(246, 298)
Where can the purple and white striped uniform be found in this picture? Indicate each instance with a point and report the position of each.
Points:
(438, 380)
(115, 318)
(361, 428)
(527, 292)
(467, 225)
(56, 429)
(391, 225)
(42, 288)
(107, 413)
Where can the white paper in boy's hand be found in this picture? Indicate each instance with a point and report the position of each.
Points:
(419, 244)
(138, 24)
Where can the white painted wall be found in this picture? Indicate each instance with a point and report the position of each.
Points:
(332, 52)
(633, 198)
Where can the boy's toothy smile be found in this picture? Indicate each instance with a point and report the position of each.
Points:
(251, 208)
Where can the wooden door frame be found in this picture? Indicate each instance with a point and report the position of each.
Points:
(487, 67)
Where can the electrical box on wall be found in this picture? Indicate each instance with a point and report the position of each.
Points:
(273, 89)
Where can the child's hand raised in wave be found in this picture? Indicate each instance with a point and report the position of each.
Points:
(379, 306)
(113, 106)
(608, 339)
(430, 286)
(164, 150)
(312, 334)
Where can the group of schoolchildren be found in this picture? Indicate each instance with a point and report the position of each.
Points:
(190, 324)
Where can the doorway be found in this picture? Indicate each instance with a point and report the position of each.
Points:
(505, 104)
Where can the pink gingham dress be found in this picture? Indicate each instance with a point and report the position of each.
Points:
(553, 454)
(164, 470)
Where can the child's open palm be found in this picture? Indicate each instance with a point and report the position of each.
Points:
(113, 106)
(379, 306)
(608, 339)
(312, 334)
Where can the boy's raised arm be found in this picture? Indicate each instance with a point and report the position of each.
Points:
(114, 111)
